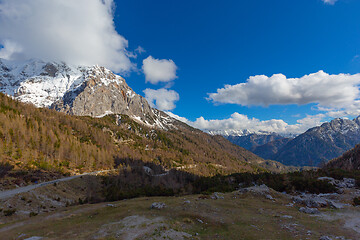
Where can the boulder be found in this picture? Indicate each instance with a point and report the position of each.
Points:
(308, 210)
(158, 205)
(217, 195)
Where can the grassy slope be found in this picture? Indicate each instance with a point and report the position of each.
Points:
(236, 217)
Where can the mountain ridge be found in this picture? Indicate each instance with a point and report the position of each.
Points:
(77, 90)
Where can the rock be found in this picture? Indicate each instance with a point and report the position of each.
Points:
(158, 205)
(329, 179)
(349, 182)
(325, 238)
(268, 196)
(286, 216)
(336, 205)
(262, 190)
(308, 210)
(311, 201)
(217, 195)
(345, 183)
(187, 202)
(34, 238)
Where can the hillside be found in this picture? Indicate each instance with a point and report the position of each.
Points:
(268, 150)
(251, 141)
(349, 161)
(320, 144)
(38, 138)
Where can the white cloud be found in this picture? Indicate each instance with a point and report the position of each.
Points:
(140, 50)
(10, 50)
(159, 70)
(331, 2)
(162, 99)
(80, 32)
(333, 91)
(238, 123)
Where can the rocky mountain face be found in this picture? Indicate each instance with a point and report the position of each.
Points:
(320, 144)
(349, 161)
(76, 90)
(252, 141)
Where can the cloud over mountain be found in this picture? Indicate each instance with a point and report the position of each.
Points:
(238, 122)
(80, 32)
(333, 91)
(163, 99)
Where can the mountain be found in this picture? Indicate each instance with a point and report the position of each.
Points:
(41, 138)
(349, 161)
(320, 144)
(105, 122)
(251, 141)
(268, 150)
(76, 90)
(316, 146)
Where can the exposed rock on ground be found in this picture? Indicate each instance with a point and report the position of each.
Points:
(140, 227)
(309, 210)
(217, 195)
(158, 205)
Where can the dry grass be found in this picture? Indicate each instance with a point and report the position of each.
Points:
(245, 217)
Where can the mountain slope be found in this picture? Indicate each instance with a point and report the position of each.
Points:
(268, 150)
(349, 161)
(320, 144)
(40, 138)
(76, 90)
(251, 141)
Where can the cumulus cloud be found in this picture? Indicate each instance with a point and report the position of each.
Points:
(331, 2)
(334, 91)
(239, 123)
(162, 99)
(80, 32)
(159, 70)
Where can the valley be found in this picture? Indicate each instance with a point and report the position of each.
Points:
(72, 168)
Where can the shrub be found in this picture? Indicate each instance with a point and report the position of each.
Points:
(5, 168)
(356, 201)
(32, 214)
(9, 212)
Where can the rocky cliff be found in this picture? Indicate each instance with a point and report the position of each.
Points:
(77, 90)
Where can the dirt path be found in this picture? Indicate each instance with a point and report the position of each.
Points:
(12, 192)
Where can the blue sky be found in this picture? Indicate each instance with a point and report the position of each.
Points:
(216, 43)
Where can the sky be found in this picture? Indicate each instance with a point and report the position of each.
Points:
(277, 66)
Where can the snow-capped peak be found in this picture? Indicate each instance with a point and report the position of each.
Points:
(43, 83)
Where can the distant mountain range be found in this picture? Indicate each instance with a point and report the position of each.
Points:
(252, 140)
(315, 146)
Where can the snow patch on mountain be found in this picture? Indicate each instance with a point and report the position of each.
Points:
(79, 90)
(43, 83)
